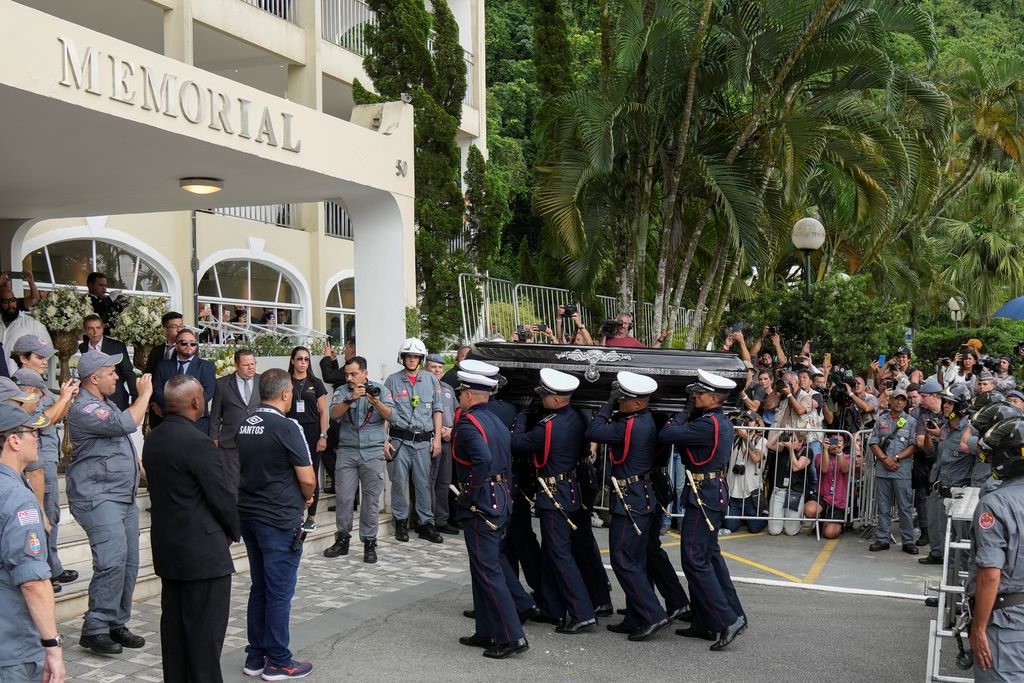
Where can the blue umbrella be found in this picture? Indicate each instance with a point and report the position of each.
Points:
(1012, 309)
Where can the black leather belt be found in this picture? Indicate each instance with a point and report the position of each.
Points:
(496, 478)
(635, 478)
(406, 435)
(564, 476)
(1004, 600)
(701, 476)
(661, 470)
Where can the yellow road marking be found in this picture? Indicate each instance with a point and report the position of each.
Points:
(819, 562)
(764, 568)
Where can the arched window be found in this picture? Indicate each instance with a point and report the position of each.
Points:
(341, 310)
(71, 261)
(245, 291)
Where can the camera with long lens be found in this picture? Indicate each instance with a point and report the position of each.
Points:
(838, 392)
(372, 390)
(569, 310)
(989, 363)
(610, 327)
(739, 468)
(780, 385)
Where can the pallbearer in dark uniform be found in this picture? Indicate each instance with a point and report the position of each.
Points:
(554, 446)
(659, 566)
(705, 442)
(585, 549)
(632, 439)
(481, 451)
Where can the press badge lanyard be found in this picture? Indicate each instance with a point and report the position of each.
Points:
(300, 404)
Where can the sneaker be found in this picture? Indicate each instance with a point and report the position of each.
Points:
(724, 532)
(291, 670)
(253, 665)
(309, 525)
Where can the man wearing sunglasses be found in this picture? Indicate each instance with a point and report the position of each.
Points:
(186, 361)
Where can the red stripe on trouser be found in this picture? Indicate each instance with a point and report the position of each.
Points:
(629, 578)
(490, 588)
(561, 570)
(706, 602)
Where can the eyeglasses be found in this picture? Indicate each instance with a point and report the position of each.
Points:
(173, 326)
(301, 359)
(188, 343)
(12, 300)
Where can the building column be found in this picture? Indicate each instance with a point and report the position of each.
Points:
(178, 42)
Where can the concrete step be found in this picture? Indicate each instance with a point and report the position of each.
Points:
(73, 600)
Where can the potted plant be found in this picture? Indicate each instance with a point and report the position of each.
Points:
(61, 313)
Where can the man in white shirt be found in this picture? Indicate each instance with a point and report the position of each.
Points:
(15, 324)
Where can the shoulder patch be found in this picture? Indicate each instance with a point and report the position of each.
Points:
(89, 407)
(34, 546)
(102, 413)
(987, 520)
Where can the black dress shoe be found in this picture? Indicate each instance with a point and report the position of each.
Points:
(502, 650)
(728, 634)
(878, 545)
(476, 641)
(448, 529)
(530, 613)
(923, 540)
(619, 628)
(66, 576)
(930, 559)
(621, 610)
(931, 601)
(122, 635)
(682, 613)
(645, 632)
(604, 610)
(911, 549)
(573, 627)
(101, 644)
(428, 533)
(469, 613)
(692, 632)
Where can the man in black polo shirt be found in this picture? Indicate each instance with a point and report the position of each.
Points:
(276, 487)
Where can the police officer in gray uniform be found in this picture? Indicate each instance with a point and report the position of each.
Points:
(892, 444)
(102, 483)
(414, 439)
(361, 408)
(31, 382)
(30, 646)
(995, 581)
(952, 466)
(441, 466)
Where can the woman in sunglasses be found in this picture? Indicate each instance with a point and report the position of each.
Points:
(309, 409)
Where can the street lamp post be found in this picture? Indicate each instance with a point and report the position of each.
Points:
(955, 312)
(808, 235)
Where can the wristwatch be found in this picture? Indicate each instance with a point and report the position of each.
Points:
(323, 435)
(58, 641)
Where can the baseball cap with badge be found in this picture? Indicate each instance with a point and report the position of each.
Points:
(9, 391)
(12, 417)
(25, 377)
(31, 343)
(898, 393)
(92, 361)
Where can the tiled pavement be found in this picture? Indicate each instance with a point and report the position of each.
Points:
(324, 585)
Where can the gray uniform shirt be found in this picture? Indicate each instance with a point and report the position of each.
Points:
(448, 403)
(361, 430)
(415, 404)
(104, 465)
(49, 441)
(902, 431)
(996, 534)
(952, 467)
(22, 559)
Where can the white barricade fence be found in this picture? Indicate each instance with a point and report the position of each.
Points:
(780, 502)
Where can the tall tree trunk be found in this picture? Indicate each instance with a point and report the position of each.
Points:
(684, 267)
(709, 277)
(721, 299)
(643, 228)
(669, 244)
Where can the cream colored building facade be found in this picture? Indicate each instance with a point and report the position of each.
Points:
(110, 103)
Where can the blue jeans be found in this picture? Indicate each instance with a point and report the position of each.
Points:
(745, 507)
(274, 568)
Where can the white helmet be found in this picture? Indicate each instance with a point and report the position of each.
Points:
(412, 347)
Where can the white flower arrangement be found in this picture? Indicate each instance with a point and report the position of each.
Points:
(223, 359)
(62, 310)
(139, 321)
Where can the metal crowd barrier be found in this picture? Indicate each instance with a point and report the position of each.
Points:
(859, 484)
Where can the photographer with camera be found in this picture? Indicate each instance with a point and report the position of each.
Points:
(361, 407)
(615, 332)
(566, 313)
(896, 369)
(866, 404)
(834, 464)
(1004, 375)
(744, 476)
(765, 360)
(963, 369)
(789, 482)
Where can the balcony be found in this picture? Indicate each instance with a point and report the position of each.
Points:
(285, 215)
(344, 24)
(285, 9)
(337, 222)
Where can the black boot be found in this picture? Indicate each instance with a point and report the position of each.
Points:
(428, 533)
(370, 551)
(401, 530)
(340, 546)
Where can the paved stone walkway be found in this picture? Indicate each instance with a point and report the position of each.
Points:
(324, 585)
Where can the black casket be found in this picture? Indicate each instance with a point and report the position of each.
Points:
(596, 367)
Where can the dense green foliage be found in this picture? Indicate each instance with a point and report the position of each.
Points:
(998, 338)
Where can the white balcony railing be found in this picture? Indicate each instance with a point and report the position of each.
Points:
(285, 215)
(284, 9)
(337, 222)
(344, 22)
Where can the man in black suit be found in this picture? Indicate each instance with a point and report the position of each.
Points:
(186, 361)
(194, 521)
(92, 327)
(238, 394)
(173, 323)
